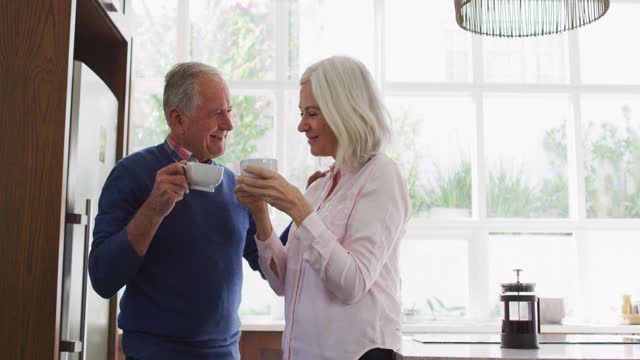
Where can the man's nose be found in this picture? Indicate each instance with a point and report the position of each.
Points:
(225, 122)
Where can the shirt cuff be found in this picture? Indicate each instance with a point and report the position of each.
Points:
(267, 247)
(313, 232)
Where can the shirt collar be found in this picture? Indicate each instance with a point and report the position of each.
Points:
(183, 153)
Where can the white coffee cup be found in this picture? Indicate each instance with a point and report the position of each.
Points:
(552, 310)
(267, 163)
(203, 177)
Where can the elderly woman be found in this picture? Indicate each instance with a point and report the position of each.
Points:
(339, 270)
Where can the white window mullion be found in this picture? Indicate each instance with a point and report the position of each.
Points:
(577, 192)
(378, 43)
(281, 18)
(182, 31)
(478, 275)
(584, 275)
(575, 152)
(479, 168)
(478, 246)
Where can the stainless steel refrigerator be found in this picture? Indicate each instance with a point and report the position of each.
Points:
(84, 326)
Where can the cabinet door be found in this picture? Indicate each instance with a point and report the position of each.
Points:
(261, 345)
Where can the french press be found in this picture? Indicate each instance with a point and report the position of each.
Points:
(520, 326)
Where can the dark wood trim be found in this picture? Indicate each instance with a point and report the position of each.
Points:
(93, 20)
(35, 72)
(261, 345)
(113, 345)
(105, 47)
(41, 38)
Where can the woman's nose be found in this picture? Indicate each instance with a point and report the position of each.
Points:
(303, 125)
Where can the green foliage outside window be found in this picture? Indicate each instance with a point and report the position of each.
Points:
(238, 43)
(451, 189)
(613, 172)
(237, 40)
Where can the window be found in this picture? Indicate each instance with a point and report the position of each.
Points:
(515, 150)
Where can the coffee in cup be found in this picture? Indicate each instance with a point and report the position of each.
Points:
(203, 177)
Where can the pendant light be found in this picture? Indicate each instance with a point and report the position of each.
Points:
(519, 18)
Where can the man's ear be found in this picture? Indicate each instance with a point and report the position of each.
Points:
(175, 118)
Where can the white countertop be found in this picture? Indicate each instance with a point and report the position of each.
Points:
(413, 350)
(267, 324)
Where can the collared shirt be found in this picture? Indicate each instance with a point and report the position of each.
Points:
(339, 271)
(179, 153)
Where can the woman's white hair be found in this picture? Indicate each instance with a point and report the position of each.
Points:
(352, 107)
(180, 90)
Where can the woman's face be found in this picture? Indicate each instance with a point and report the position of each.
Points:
(322, 141)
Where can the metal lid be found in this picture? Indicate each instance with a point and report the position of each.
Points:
(518, 287)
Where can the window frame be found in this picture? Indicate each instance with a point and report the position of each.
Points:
(477, 228)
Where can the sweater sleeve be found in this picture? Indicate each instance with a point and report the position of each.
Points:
(250, 250)
(112, 260)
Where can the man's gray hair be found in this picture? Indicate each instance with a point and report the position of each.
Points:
(352, 107)
(180, 90)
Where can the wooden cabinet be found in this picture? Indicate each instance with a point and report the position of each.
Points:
(261, 345)
(39, 39)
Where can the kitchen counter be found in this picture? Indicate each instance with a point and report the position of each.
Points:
(477, 345)
(414, 350)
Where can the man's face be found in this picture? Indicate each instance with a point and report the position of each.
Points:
(204, 130)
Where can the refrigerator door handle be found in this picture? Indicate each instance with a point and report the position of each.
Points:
(76, 219)
(74, 346)
(85, 264)
(69, 346)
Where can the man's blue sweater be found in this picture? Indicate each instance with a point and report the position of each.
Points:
(182, 297)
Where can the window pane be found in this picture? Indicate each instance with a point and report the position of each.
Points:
(614, 268)
(612, 155)
(155, 34)
(424, 43)
(603, 60)
(148, 124)
(259, 302)
(330, 27)
(433, 142)
(235, 36)
(434, 277)
(548, 260)
(527, 156)
(541, 59)
(252, 134)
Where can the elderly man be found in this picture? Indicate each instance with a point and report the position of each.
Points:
(178, 252)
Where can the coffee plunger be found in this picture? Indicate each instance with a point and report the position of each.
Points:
(520, 326)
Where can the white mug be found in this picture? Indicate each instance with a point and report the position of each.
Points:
(552, 310)
(203, 177)
(267, 163)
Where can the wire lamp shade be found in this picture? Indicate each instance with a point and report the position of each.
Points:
(518, 18)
